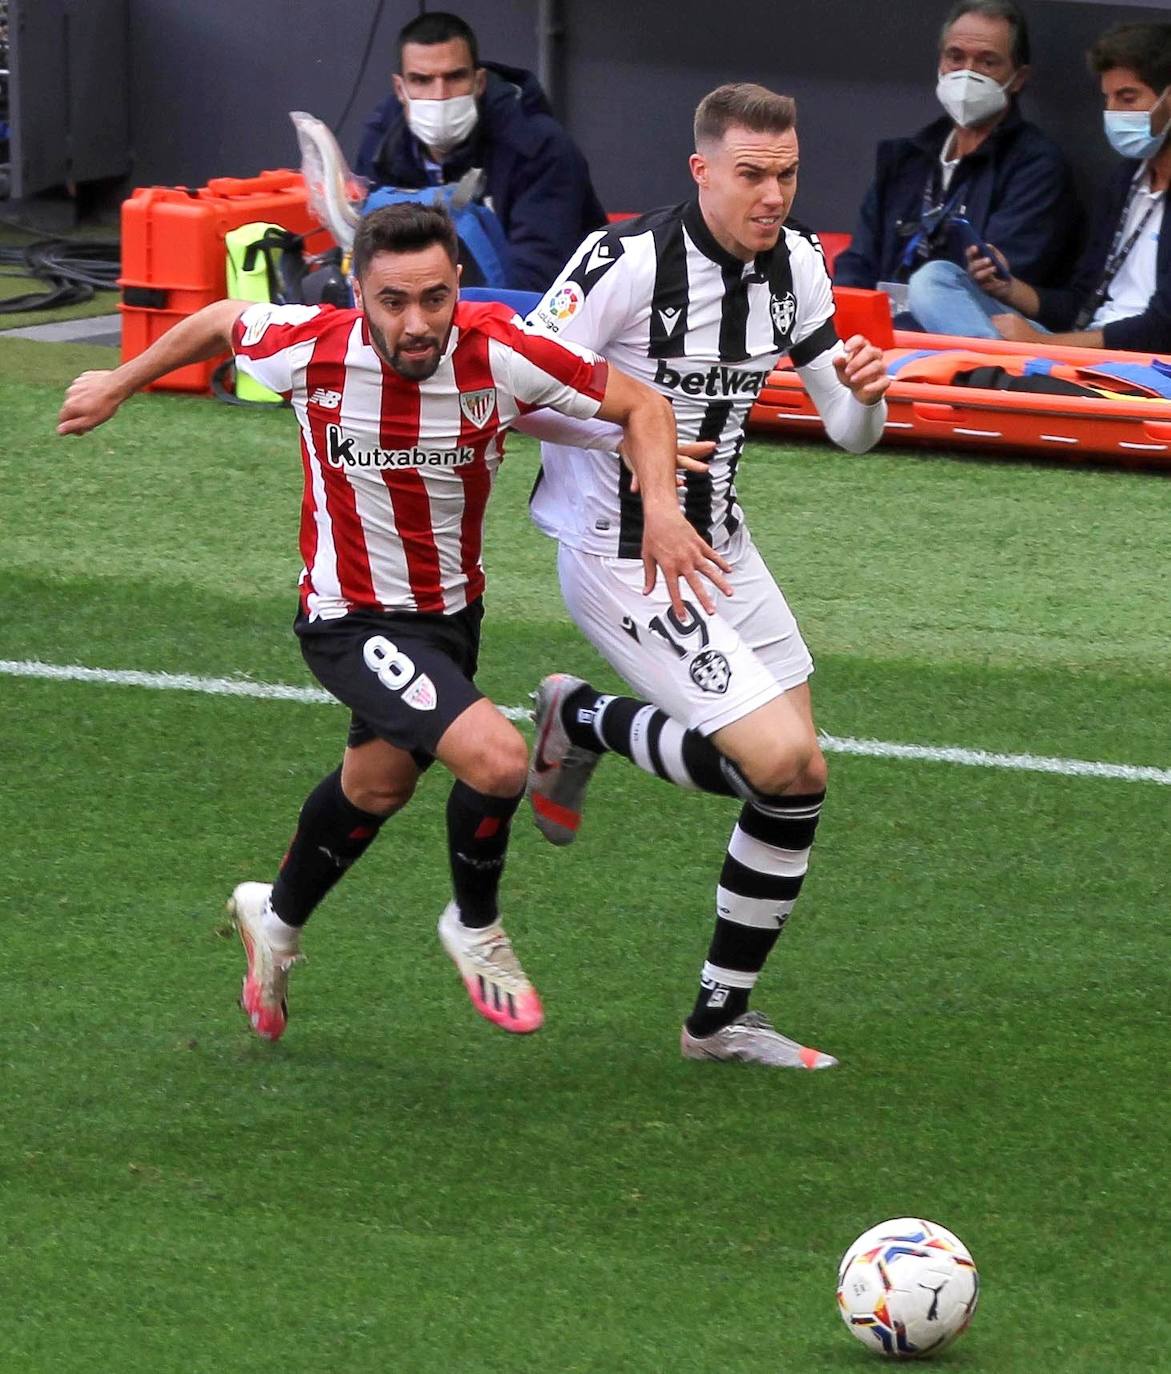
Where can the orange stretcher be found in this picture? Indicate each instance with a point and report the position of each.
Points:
(1130, 432)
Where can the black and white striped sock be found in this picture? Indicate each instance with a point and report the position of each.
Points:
(648, 737)
(768, 856)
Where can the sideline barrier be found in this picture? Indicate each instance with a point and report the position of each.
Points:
(1130, 432)
(174, 259)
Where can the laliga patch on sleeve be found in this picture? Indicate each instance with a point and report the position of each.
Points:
(561, 306)
(257, 324)
(421, 694)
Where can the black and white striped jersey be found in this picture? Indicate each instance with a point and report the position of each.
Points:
(663, 301)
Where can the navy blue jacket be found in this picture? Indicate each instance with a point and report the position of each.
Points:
(1149, 332)
(1016, 188)
(537, 180)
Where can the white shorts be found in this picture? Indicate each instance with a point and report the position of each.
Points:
(708, 670)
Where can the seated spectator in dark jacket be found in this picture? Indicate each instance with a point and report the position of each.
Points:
(450, 113)
(1120, 295)
(981, 162)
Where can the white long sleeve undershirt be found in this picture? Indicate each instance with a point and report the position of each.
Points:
(850, 424)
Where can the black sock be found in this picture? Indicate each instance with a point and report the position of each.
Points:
(765, 866)
(331, 834)
(477, 841)
(648, 737)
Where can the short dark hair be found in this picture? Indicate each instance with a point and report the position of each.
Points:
(745, 104)
(437, 27)
(995, 9)
(1144, 48)
(408, 227)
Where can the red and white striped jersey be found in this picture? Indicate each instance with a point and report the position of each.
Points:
(397, 473)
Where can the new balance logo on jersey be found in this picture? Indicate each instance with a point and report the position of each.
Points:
(344, 452)
(713, 381)
(330, 400)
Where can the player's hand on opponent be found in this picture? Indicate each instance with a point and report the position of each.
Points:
(690, 458)
(674, 548)
(862, 368)
(91, 399)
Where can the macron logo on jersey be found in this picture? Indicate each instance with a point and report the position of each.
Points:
(713, 381)
(602, 255)
(345, 452)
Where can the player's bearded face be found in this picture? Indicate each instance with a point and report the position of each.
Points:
(409, 300)
(747, 184)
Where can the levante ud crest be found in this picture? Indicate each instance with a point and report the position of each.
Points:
(783, 309)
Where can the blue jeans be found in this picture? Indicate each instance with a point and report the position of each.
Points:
(945, 300)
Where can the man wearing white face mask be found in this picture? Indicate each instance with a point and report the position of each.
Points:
(449, 113)
(1120, 295)
(981, 172)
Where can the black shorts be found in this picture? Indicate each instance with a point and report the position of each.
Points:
(405, 677)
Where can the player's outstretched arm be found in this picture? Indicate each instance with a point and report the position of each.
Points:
(95, 396)
(650, 447)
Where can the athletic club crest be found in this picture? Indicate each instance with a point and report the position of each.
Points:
(478, 405)
(711, 672)
(783, 309)
(421, 694)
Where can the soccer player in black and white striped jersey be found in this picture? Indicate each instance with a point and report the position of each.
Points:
(700, 301)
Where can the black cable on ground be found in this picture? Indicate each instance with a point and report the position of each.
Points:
(71, 269)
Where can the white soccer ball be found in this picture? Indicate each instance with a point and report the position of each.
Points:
(907, 1288)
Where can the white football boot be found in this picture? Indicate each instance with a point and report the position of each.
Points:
(491, 973)
(264, 993)
(752, 1039)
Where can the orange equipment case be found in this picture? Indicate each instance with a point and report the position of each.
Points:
(174, 259)
(1131, 432)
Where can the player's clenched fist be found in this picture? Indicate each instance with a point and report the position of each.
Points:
(90, 401)
(862, 368)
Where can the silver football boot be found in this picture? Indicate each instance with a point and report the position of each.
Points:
(559, 771)
(752, 1039)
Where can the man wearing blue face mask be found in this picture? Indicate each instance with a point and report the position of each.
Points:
(981, 172)
(1120, 295)
(449, 113)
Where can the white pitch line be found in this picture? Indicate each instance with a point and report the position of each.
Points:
(832, 744)
(981, 758)
(185, 682)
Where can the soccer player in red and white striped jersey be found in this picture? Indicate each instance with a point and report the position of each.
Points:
(402, 404)
(398, 470)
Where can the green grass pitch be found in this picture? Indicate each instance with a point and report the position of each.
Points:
(399, 1186)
